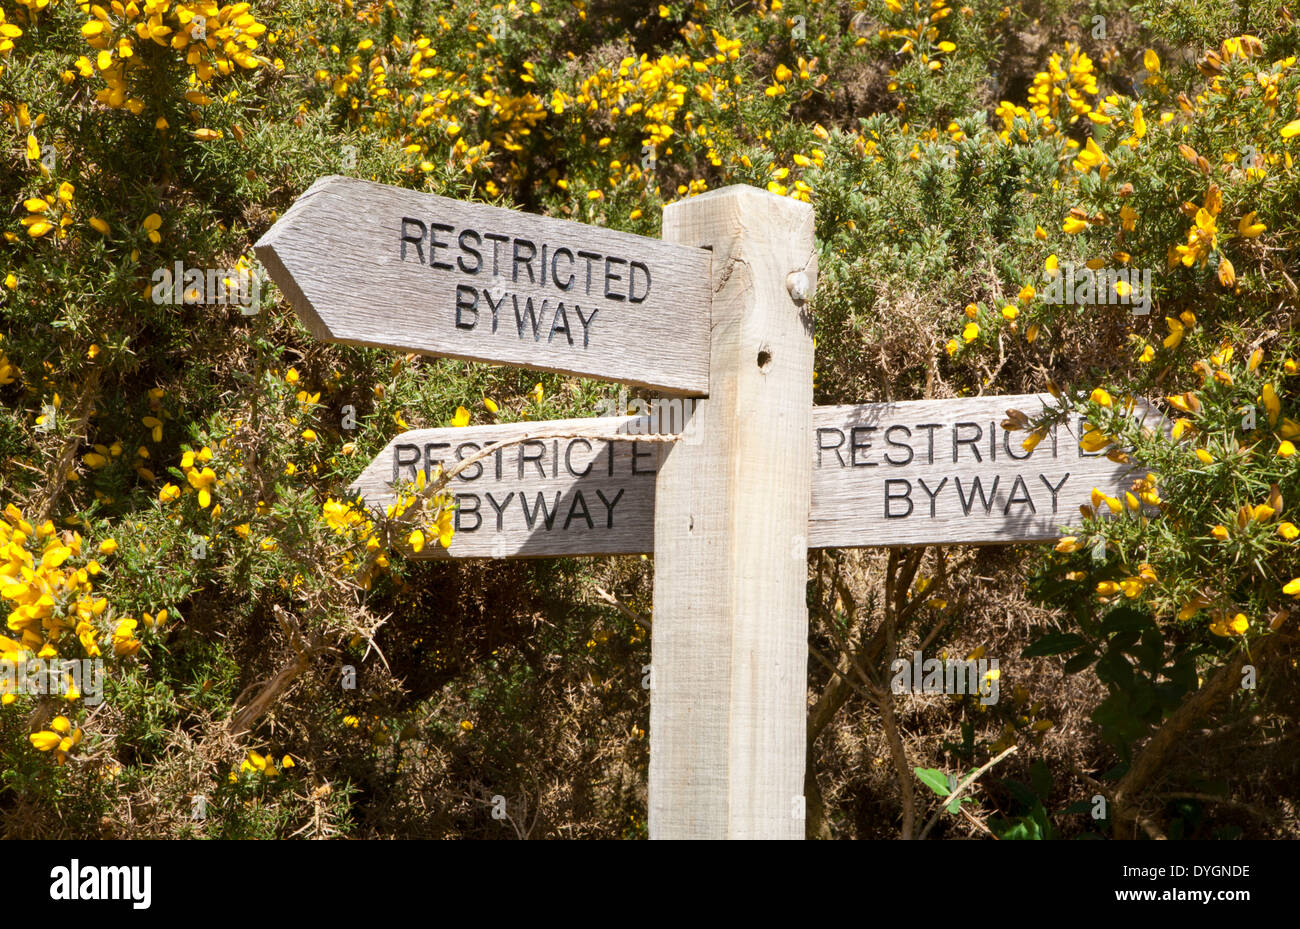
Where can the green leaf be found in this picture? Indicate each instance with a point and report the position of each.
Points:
(1079, 662)
(1125, 619)
(1054, 643)
(935, 779)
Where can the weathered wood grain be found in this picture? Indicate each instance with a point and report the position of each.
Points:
(729, 649)
(369, 264)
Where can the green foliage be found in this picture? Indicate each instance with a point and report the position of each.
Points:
(944, 161)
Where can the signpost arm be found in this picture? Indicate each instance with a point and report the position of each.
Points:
(730, 640)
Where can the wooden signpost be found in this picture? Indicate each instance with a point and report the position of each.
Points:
(578, 494)
(924, 472)
(369, 264)
(935, 472)
(718, 308)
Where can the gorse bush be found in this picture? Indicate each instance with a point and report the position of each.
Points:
(1089, 200)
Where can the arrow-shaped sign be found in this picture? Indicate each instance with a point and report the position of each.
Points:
(368, 264)
(909, 473)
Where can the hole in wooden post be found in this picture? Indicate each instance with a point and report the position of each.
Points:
(764, 359)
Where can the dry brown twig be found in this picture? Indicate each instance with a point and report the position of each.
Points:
(63, 463)
(622, 607)
(965, 785)
(270, 690)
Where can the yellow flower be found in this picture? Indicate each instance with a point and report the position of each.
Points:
(466, 725)
(1204, 456)
(1285, 449)
(1132, 587)
(1268, 396)
(1227, 273)
(461, 418)
(1288, 531)
(970, 332)
(416, 541)
(538, 393)
(169, 492)
(1009, 312)
(1100, 397)
(1292, 587)
(490, 404)
(1093, 440)
(45, 741)
(124, 641)
(108, 546)
(1176, 332)
(1220, 532)
(1248, 228)
(1289, 130)
(152, 223)
(203, 481)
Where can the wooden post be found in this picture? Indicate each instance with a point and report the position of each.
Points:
(729, 648)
